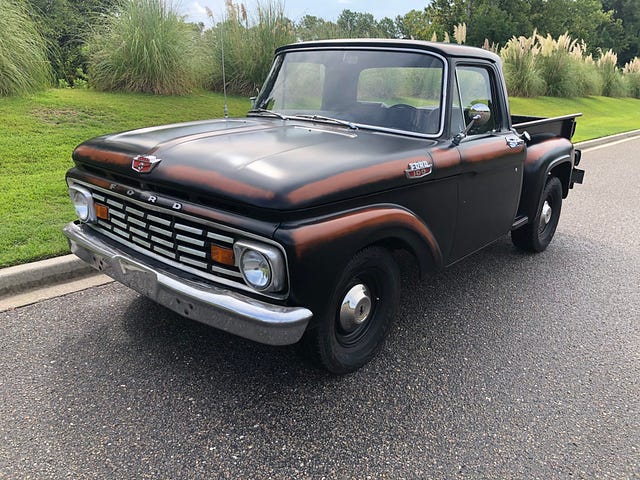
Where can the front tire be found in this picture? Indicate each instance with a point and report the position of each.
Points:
(535, 236)
(360, 313)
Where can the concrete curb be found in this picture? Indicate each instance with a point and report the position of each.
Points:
(14, 280)
(604, 140)
(38, 274)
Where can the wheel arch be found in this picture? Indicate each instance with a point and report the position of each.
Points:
(553, 157)
(561, 168)
(324, 246)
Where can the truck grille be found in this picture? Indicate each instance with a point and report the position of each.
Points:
(180, 241)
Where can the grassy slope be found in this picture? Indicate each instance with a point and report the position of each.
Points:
(38, 134)
(602, 116)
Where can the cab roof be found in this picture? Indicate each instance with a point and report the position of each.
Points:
(444, 49)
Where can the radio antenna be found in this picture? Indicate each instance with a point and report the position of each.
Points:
(224, 78)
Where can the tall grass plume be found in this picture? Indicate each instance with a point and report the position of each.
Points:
(145, 46)
(612, 82)
(248, 42)
(24, 67)
(521, 72)
(632, 77)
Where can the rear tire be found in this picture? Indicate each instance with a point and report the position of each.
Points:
(536, 235)
(359, 315)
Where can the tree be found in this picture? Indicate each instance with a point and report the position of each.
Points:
(357, 24)
(443, 15)
(414, 24)
(311, 27)
(64, 24)
(628, 13)
(388, 28)
(499, 20)
(582, 19)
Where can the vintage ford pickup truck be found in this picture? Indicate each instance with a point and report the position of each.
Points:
(282, 226)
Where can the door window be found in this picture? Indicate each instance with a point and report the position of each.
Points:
(473, 85)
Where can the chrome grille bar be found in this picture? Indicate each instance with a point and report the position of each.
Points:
(162, 235)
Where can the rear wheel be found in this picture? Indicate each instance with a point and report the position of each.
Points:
(535, 236)
(360, 313)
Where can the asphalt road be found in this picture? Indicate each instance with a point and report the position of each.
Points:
(505, 366)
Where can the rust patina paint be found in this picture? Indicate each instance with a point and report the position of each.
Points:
(308, 237)
(346, 180)
(207, 179)
(537, 151)
(103, 157)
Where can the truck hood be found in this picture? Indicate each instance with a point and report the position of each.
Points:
(261, 162)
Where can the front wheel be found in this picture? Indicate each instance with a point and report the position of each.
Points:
(535, 236)
(360, 313)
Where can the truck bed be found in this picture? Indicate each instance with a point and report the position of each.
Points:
(564, 126)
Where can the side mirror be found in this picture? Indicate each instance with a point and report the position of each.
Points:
(480, 115)
(254, 98)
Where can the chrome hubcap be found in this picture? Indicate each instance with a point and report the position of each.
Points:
(545, 217)
(355, 307)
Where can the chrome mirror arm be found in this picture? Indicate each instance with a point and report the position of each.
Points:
(460, 136)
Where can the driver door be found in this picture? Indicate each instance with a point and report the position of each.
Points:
(492, 161)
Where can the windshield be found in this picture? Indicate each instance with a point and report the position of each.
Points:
(395, 90)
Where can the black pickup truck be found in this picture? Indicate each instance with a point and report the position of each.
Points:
(282, 226)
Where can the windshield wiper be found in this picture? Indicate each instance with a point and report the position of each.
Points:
(269, 112)
(322, 118)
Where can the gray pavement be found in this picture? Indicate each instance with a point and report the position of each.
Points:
(507, 365)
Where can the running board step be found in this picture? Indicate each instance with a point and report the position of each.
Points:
(519, 222)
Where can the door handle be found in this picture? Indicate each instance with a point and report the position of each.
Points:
(514, 142)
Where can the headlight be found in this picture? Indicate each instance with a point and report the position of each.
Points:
(83, 203)
(262, 266)
(255, 269)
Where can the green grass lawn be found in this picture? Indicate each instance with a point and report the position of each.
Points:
(38, 134)
(602, 116)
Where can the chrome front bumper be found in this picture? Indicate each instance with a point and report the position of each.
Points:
(224, 309)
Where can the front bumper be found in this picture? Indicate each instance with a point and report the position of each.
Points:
(220, 308)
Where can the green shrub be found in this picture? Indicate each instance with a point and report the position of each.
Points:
(587, 78)
(146, 47)
(24, 67)
(248, 46)
(520, 70)
(612, 82)
(560, 62)
(632, 77)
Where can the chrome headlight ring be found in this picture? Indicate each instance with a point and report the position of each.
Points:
(262, 266)
(83, 203)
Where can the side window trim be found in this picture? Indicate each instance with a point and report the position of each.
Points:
(495, 100)
(456, 87)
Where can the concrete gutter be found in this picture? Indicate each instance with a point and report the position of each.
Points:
(46, 272)
(32, 282)
(15, 281)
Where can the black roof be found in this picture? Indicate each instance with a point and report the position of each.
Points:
(444, 49)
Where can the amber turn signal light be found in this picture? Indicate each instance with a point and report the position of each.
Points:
(222, 255)
(102, 211)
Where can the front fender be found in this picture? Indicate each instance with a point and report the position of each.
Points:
(318, 249)
(553, 155)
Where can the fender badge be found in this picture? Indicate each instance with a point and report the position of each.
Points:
(419, 169)
(144, 163)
